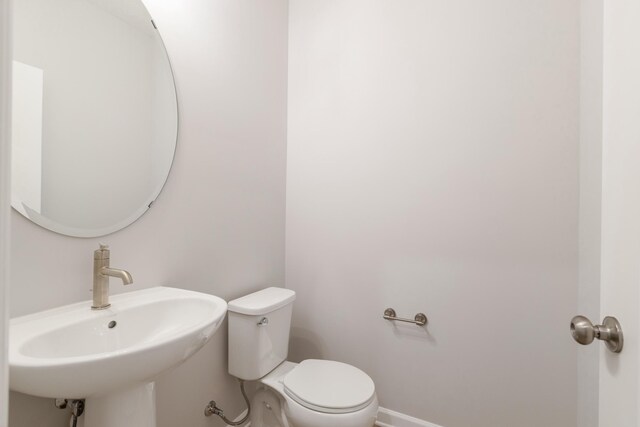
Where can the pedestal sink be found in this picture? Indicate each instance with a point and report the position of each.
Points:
(110, 357)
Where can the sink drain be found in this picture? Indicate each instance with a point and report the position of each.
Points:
(112, 324)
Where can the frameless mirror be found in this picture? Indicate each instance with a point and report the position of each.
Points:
(94, 114)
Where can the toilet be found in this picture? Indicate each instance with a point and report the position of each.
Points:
(313, 393)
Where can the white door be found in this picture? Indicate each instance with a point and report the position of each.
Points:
(620, 274)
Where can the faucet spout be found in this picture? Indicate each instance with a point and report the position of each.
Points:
(101, 273)
(123, 275)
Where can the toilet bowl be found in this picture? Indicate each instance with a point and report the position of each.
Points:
(288, 394)
(313, 393)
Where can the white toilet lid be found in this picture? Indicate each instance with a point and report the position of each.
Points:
(328, 386)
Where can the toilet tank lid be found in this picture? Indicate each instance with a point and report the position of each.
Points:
(262, 302)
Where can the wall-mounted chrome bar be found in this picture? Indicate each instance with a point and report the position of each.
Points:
(419, 319)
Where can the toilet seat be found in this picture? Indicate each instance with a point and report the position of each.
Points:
(328, 386)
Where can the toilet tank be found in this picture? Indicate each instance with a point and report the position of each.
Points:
(259, 325)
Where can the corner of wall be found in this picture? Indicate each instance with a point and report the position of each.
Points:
(5, 58)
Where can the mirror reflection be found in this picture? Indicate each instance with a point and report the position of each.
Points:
(94, 114)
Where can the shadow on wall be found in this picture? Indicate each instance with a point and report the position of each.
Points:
(305, 344)
(35, 411)
(412, 332)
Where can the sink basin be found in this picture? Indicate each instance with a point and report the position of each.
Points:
(76, 352)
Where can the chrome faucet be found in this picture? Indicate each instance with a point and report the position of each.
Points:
(101, 274)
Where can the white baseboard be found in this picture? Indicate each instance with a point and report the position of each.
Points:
(389, 418)
(386, 418)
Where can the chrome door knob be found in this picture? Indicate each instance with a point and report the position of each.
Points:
(584, 332)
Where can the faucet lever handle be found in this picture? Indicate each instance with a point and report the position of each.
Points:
(104, 247)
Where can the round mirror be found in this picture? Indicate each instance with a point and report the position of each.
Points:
(94, 114)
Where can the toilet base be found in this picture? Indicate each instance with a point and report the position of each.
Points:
(267, 410)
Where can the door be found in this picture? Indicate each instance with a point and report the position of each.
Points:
(620, 245)
(610, 207)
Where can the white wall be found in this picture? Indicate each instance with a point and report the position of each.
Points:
(218, 226)
(5, 200)
(433, 166)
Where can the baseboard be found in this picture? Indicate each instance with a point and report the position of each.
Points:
(386, 418)
(389, 418)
